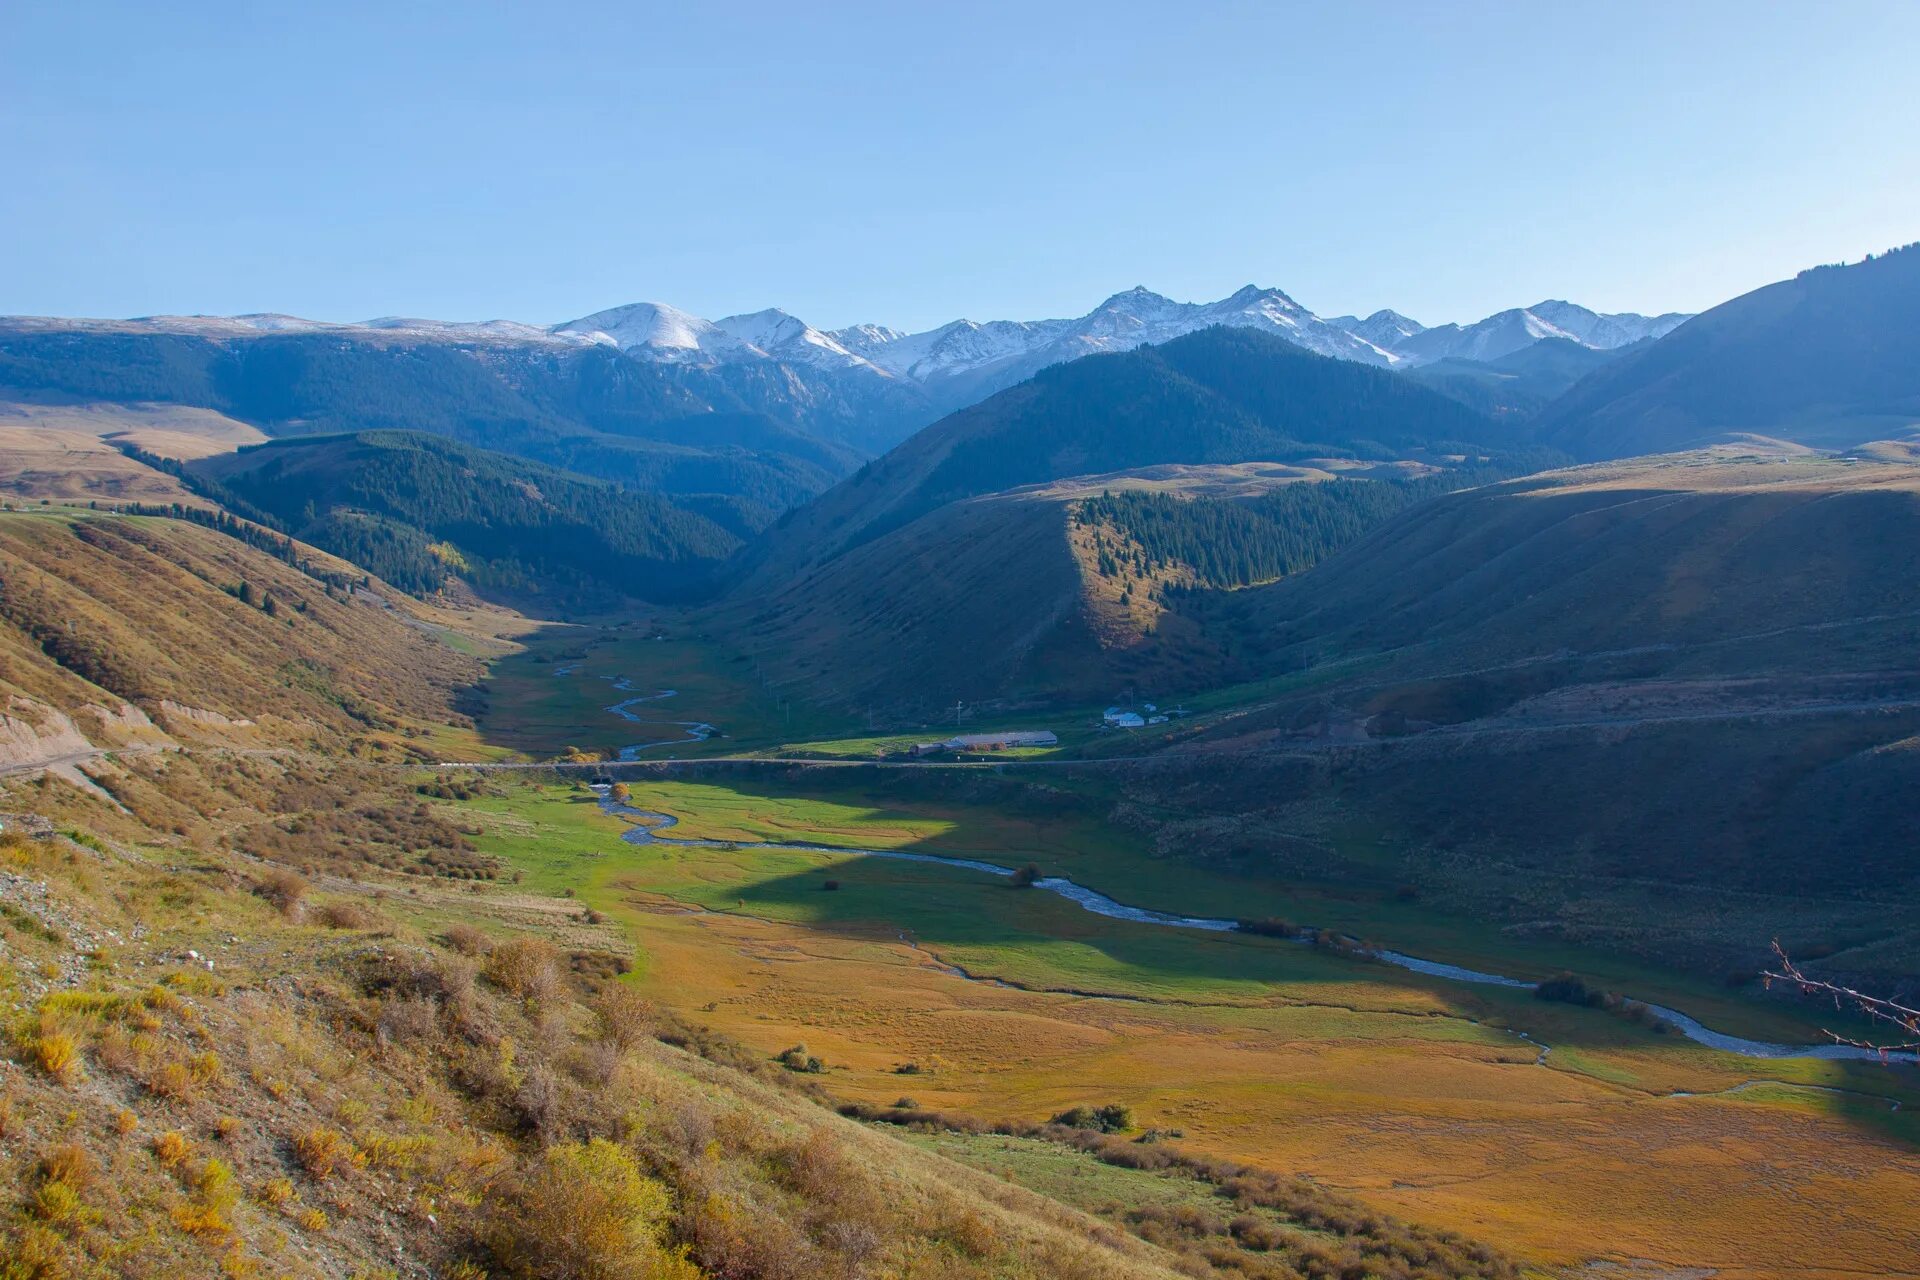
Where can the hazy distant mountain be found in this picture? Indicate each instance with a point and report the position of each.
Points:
(1510, 331)
(1830, 358)
(649, 371)
(1384, 329)
(1520, 383)
(1222, 395)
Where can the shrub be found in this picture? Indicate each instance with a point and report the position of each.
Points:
(171, 1149)
(1112, 1118)
(171, 1080)
(322, 1152)
(407, 1019)
(58, 1054)
(524, 967)
(341, 914)
(627, 1018)
(1565, 988)
(1026, 877)
(276, 1191)
(60, 1203)
(585, 1212)
(68, 1163)
(284, 889)
(798, 1059)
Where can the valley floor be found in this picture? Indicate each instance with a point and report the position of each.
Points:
(1566, 1134)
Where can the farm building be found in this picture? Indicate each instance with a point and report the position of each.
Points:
(1001, 741)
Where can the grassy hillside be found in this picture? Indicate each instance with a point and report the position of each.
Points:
(141, 617)
(682, 431)
(38, 462)
(1518, 385)
(1667, 706)
(279, 1004)
(171, 431)
(1828, 358)
(1064, 593)
(1220, 396)
(421, 511)
(360, 1080)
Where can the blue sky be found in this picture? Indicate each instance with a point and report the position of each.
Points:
(912, 163)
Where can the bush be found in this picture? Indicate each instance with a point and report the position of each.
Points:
(626, 1017)
(322, 1152)
(468, 940)
(171, 1149)
(1112, 1118)
(585, 1212)
(798, 1059)
(341, 914)
(284, 889)
(524, 967)
(57, 1054)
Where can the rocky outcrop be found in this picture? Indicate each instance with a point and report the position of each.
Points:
(33, 735)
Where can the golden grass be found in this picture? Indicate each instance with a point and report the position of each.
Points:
(1406, 1104)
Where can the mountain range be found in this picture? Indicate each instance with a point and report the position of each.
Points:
(880, 383)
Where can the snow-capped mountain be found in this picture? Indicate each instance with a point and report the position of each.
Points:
(1508, 331)
(1384, 329)
(967, 360)
(895, 378)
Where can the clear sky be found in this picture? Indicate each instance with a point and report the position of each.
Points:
(910, 163)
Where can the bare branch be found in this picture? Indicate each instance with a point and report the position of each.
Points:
(1876, 1008)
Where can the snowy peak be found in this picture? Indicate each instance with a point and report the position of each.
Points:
(1506, 332)
(656, 330)
(962, 361)
(1384, 328)
(779, 336)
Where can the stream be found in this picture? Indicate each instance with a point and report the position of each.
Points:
(694, 730)
(651, 824)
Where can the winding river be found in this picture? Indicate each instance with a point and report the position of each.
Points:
(649, 825)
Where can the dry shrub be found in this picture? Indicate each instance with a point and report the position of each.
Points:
(541, 1103)
(69, 1163)
(584, 1211)
(731, 1238)
(626, 1017)
(407, 1019)
(276, 1192)
(114, 1050)
(172, 1149)
(284, 889)
(58, 1054)
(468, 940)
(173, 1081)
(524, 967)
(345, 914)
(322, 1152)
(970, 1233)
